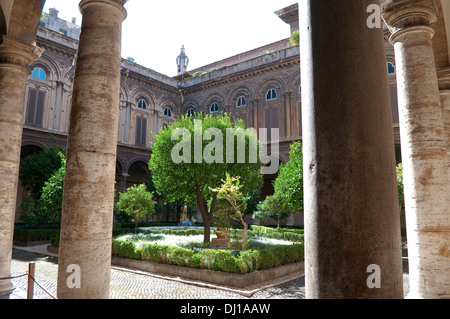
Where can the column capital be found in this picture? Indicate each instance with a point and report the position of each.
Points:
(19, 54)
(402, 14)
(119, 4)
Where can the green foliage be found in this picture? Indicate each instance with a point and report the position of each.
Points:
(192, 180)
(295, 38)
(37, 168)
(35, 234)
(198, 73)
(401, 195)
(52, 192)
(126, 249)
(137, 202)
(274, 206)
(289, 183)
(31, 212)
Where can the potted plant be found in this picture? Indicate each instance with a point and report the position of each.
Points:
(222, 228)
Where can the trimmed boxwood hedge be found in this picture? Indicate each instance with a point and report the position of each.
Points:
(220, 260)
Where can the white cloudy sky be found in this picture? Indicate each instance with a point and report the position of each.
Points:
(210, 30)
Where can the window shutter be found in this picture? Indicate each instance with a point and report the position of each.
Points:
(138, 131)
(143, 131)
(31, 107)
(39, 108)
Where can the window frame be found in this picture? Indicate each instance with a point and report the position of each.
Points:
(215, 103)
(170, 112)
(240, 98)
(142, 100)
(273, 95)
(40, 71)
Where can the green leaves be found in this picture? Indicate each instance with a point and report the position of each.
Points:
(401, 195)
(137, 202)
(289, 183)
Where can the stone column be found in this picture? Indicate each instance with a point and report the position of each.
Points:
(15, 58)
(87, 213)
(351, 213)
(424, 149)
(445, 104)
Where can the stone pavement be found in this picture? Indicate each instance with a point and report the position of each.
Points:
(130, 284)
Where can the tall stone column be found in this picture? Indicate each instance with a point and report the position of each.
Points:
(424, 149)
(351, 213)
(87, 214)
(15, 58)
(444, 88)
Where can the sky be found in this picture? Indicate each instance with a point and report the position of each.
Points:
(210, 30)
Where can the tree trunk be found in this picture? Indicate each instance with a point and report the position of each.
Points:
(244, 237)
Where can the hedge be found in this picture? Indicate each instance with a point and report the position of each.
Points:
(219, 260)
(35, 234)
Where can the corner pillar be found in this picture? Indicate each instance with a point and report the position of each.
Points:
(351, 213)
(88, 201)
(424, 148)
(15, 57)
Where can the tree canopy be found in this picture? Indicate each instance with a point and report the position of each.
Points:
(193, 155)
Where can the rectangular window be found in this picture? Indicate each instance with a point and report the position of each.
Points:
(35, 107)
(141, 131)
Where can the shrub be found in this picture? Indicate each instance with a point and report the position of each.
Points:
(181, 256)
(155, 253)
(126, 249)
(223, 260)
(35, 234)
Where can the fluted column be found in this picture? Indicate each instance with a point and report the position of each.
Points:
(87, 214)
(352, 219)
(15, 58)
(424, 149)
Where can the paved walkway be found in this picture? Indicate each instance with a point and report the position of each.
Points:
(130, 284)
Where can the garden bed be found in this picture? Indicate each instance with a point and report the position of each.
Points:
(220, 278)
(175, 253)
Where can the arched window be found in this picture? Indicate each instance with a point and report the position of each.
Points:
(271, 95)
(391, 68)
(214, 107)
(142, 104)
(190, 112)
(39, 73)
(167, 112)
(241, 101)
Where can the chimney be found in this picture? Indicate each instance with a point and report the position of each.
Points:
(74, 20)
(53, 12)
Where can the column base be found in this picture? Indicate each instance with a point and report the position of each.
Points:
(429, 296)
(6, 290)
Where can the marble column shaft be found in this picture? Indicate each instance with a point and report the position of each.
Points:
(15, 58)
(352, 218)
(87, 214)
(424, 148)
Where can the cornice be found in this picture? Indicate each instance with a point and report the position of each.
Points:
(243, 75)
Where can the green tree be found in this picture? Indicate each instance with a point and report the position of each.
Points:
(274, 206)
(289, 183)
(52, 192)
(401, 196)
(137, 202)
(37, 168)
(201, 139)
(230, 191)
